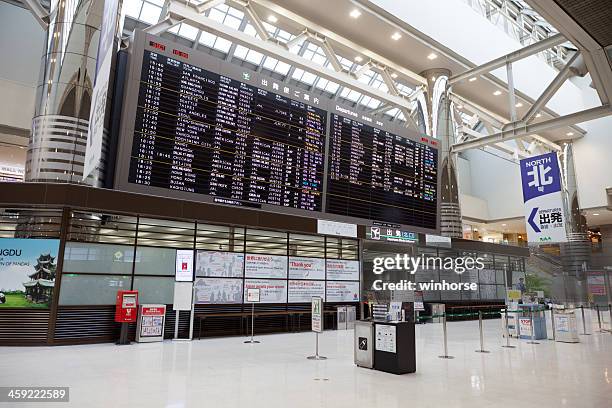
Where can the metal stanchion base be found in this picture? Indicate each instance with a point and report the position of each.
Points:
(317, 357)
(446, 357)
(482, 351)
(585, 334)
(509, 346)
(252, 341)
(532, 342)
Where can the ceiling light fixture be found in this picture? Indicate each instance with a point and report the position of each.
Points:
(358, 58)
(538, 115)
(272, 18)
(472, 79)
(569, 134)
(355, 13)
(503, 225)
(497, 93)
(394, 75)
(396, 36)
(519, 105)
(595, 213)
(459, 106)
(432, 56)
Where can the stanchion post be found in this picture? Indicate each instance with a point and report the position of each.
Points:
(598, 318)
(584, 333)
(507, 331)
(446, 356)
(552, 318)
(532, 341)
(610, 311)
(482, 350)
(252, 325)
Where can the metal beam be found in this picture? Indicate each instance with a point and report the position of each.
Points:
(499, 146)
(38, 11)
(509, 58)
(410, 76)
(519, 130)
(256, 22)
(551, 89)
(208, 5)
(162, 26)
(187, 12)
(327, 49)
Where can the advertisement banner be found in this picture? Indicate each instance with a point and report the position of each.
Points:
(338, 269)
(184, 265)
(27, 272)
(306, 268)
(95, 133)
(219, 264)
(265, 266)
(218, 291)
(151, 323)
(342, 291)
(271, 291)
(596, 282)
(305, 290)
(544, 209)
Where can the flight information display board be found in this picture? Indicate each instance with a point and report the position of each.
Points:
(196, 127)
(381, 176)
(202, 132)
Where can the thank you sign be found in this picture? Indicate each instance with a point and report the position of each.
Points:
(544, 210)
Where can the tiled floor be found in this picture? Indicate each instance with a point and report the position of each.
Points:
(225, 372)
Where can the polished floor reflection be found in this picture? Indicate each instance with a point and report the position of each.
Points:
(225, 372)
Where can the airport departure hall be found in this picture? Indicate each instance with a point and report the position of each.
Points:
(306, 203)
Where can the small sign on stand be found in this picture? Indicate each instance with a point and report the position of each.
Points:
(253, 296)
(151, 322)
(316, 323)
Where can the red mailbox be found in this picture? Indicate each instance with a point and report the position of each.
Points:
(126, 306)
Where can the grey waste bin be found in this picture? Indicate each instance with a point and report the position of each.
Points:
(364, 343)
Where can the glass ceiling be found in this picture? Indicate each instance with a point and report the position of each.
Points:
(148, 12)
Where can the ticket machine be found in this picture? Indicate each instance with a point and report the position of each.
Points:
(126, 312)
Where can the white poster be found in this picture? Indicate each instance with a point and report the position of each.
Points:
(95, 134)
(184, 265)
(385, 338)
(271, 291)
(342, 229)
(219, 264)
(316, 315)
(342, 291)
(342, 270)
(265, 266)
(305, 290)
(306, 268)
(218, 290)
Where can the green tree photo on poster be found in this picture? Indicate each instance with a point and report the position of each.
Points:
(27, 272)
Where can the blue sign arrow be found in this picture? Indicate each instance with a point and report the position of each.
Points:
(535, 227)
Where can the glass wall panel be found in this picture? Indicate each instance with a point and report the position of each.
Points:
(98, 227)
(91, 289)
(98, 258)
(153, 289)
(165, 233)
(155, 261)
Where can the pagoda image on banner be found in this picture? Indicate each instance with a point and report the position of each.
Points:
(40, 287)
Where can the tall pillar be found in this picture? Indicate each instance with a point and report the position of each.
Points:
(56, 151)
(576, 253)
(435, 119)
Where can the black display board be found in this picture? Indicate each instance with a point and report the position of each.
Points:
(377, 175)
(200, 128)
(202, 132)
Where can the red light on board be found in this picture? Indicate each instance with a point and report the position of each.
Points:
(157, 45)
(424, 139)
(433, 143)
(180, 54)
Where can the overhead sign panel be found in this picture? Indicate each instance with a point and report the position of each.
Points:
(544, 210)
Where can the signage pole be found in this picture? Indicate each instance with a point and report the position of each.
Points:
(253, 296)
(482, 350)
(446, 356)
(317, 325)
(507, 331)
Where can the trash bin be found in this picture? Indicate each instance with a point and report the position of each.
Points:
(566, 328)
(351, 316)
(341, 318)
(364, 343)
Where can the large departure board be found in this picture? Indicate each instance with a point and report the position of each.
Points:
(378, 175)
(202, 132)
(197, 127)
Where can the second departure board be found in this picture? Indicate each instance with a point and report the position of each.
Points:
(377, 175)
(202, 132)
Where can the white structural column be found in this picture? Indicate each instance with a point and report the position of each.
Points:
(435, 119)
